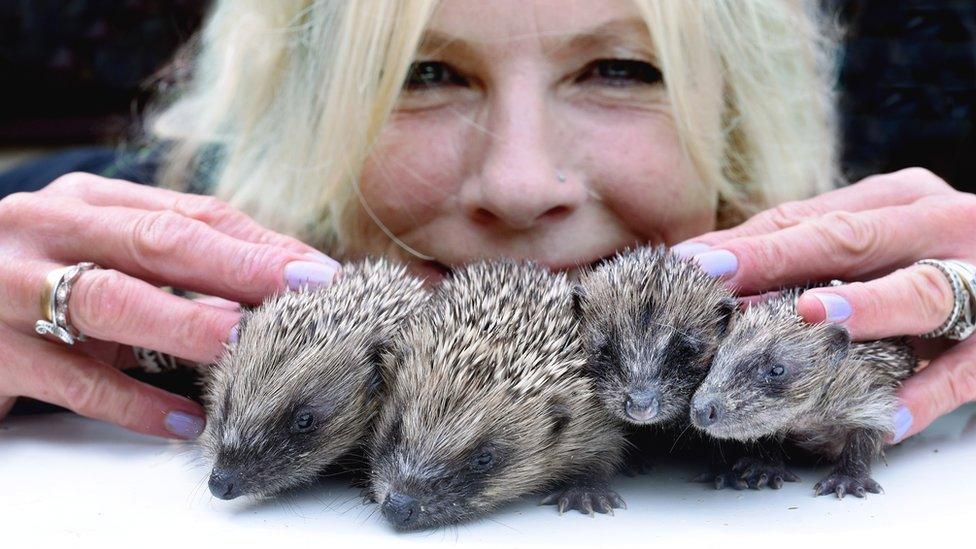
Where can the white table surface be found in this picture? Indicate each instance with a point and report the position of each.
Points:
(66, 481)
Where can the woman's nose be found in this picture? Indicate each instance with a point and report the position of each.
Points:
(521, 182)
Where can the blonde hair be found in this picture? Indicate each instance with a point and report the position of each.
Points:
(288, 96)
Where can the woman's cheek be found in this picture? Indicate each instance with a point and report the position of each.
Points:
(637, 166)
(414, 167)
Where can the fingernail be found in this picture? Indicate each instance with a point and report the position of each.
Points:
(232, 338)
(688, 249)
(184, 425)
(836, 307)
(322, 258)
(903, 422)
(308, 273)
(718, 262)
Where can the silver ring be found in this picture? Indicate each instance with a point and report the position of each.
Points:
(961, 322)
(54, 306)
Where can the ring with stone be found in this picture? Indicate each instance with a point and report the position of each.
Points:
(55, 320)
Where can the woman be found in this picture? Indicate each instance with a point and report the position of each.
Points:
(559, 131)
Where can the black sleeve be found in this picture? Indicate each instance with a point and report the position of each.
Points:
(136, 166)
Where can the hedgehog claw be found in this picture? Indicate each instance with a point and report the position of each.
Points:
(841, 484)
(749, 472)
(588, 500)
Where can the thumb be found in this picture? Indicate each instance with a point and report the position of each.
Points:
(945, 384)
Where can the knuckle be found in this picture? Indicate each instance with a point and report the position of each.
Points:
(962, 385)
(922, 179)
(789, 214)
(768, 259)
(932, 294)
(82, 391)
(100, 301)
(205, 208)
(71, 184)
(157, 235)
(848, 233)
(16, 206)
(253, 268)
(196, 329)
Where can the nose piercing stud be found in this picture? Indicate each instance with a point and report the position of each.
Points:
(560, 177)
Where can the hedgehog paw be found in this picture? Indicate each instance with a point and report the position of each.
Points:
(841, 484)
(758, 473)
(585, 499)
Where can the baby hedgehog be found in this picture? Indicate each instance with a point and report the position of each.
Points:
(299, 388)
(488, 400)
(651, 322)
(776, 376)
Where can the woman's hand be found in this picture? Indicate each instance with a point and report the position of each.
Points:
(870, 232)
(143, 237)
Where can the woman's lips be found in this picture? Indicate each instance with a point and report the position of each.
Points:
(435, 271)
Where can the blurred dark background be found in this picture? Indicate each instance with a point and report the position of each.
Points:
(78, 72)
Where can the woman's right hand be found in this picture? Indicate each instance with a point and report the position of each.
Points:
(143, 238)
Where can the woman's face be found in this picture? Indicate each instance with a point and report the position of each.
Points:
(534, 130)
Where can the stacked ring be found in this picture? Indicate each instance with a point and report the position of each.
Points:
(961, 322)
(55, 319)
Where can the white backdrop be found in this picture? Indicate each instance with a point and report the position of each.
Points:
(69, 481)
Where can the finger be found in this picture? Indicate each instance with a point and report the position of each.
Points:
(100, 191)
(879, 191)
(109, 305)
(845, 245)
(945, 384)
(911, 301)
(165, 247)
(56, 375)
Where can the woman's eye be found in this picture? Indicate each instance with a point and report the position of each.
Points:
(303, 421)
(428, 74)
(623, 72)
(483, 461)
(777, 371)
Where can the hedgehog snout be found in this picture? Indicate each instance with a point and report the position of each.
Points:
(707, 410)
(642, 405)
(403, 510)
(226, 482)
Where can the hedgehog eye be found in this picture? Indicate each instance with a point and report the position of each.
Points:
(483, 461)
(777, 371)
(303, 421)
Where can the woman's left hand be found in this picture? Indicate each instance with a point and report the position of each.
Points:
(871, 232)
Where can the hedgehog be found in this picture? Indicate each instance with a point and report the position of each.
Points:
(301, 385)
(777, 377)
(488, 400)
(651, 321)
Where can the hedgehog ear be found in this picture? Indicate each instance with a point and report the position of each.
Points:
(838, 343)
(578, 294)
(726, 311)
(561, 415)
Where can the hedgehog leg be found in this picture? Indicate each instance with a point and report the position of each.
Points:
(586, 496)
(851, 474)
(748, 471)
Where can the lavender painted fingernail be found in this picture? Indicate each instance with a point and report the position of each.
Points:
(184, 425)
(689, 249)
(718, 263)
(309, 273)
(322, 258)
(902, 421)
(232, 338)
(836, 307)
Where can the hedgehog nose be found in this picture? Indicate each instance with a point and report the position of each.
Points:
(225, 483)
(708, 412)
(401, 509)
(641, 406)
